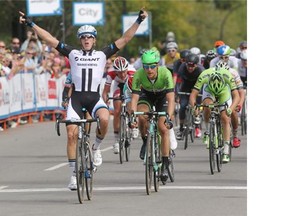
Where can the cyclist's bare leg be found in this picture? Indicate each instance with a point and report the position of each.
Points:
(225, 119)
(103, 114)
(206, 111)
(117, 111)
(164, 132)
(72, 137)
(234, 121)
(143, 123)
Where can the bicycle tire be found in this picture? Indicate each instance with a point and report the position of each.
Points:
(128, 142)
(89, 173)
(171, 168)
(122, 138)
(186, 132)
(211, 150)
(219, 147)
(148, 165)
(243, 120)
(79, 171)
(158, 159)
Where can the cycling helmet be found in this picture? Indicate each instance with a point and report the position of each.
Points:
(221, 64)
(86, 29)
(233, 52)
(218, 43)
(243, 55)
(211, 54)
(184, 53)
(195, 50)
(150, 57)
(223, 50)
(171, 45)
(192, 58)
(120, 64)
(216, 83)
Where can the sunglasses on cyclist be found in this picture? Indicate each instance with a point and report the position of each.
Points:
(190, 64)
(152, 66)
(86, 36)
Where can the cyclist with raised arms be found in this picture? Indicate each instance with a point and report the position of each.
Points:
(153, 85)
(87, 69)
(218, 86)
(122, 70)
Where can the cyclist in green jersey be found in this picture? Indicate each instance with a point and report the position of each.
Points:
(218, 86)
(153, 85)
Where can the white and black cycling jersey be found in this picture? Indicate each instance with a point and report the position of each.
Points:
(87, 67)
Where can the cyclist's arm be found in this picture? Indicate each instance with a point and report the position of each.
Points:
(235, 99)
(42, 33)
(105, 93)
(193, 97)
(170, 97)
(134, 101)
(128, 35)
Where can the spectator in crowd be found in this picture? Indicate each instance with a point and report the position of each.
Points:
(15, 45)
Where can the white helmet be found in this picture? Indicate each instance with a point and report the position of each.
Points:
(243, 55)
(171, 45)
(195, 50)
(87, 29)
(120, 64)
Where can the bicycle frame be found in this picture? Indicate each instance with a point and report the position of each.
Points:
(152, 159)
(84, 163)
(125, 132)
(216, 145)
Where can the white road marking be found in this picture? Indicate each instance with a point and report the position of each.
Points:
(29, 190)
(64, 164)
(2, 187)
(56, 167)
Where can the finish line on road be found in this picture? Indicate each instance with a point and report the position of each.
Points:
(29, 190)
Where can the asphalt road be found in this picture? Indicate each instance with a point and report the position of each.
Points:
(34, 175)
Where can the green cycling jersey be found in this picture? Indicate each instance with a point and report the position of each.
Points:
(204, 79)
(161, 85)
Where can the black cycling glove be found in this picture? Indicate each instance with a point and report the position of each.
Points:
(140, 18)
(28, 21)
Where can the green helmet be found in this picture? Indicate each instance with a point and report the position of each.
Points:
(216, 83)
(150, 57)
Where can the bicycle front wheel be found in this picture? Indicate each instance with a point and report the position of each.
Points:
(88, 171)
(128, 142)
(158, 158)
(79, 170)
(171, 166)
(148, 164)
(122, 138)
(212, 157)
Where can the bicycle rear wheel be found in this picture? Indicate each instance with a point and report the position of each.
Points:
(88, 171)
(79, 170)
(148, 165)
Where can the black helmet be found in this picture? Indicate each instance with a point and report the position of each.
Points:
(192, 58)
(184, 53)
